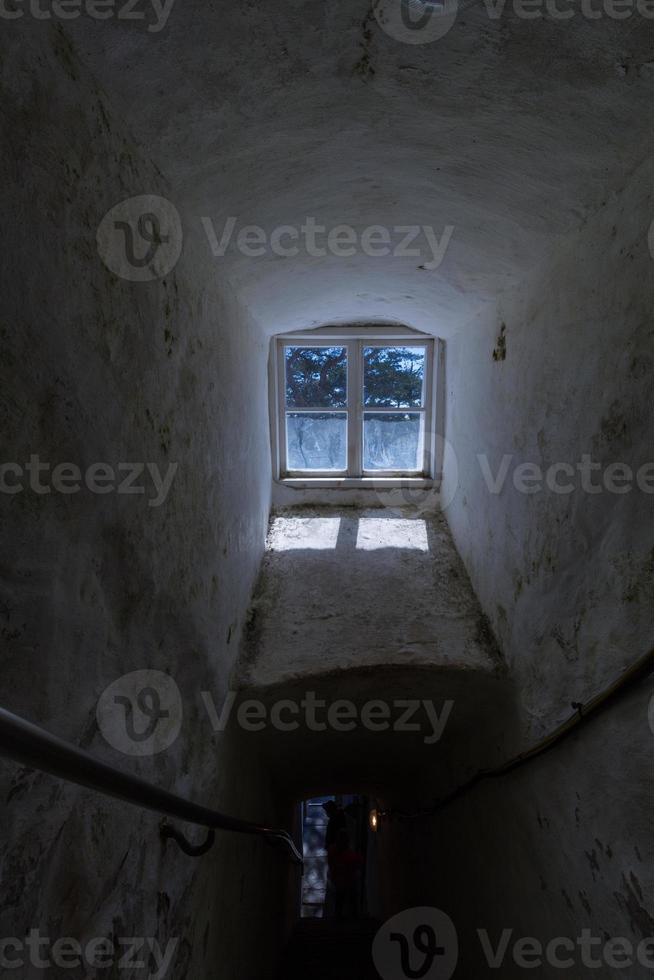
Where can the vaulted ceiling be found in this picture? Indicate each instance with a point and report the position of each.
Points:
(509, 130)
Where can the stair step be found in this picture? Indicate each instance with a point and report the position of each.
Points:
(325, 949)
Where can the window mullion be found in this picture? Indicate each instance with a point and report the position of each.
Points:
(354, 398)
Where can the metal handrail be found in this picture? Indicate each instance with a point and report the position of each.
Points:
(583, 712)
(24, 742)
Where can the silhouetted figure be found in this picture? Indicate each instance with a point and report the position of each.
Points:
(337, 821)
(344, 867)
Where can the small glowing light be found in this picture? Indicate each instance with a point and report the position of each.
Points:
(374, 820)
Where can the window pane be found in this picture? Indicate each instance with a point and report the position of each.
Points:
(392, 442)
(316, 442)
(393, 376)
(316, 377)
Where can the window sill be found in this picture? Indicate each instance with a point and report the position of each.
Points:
(356, 483)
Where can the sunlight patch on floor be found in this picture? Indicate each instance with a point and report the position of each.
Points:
(304, 533)
(374, 533)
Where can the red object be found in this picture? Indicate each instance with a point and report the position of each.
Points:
(343, 866)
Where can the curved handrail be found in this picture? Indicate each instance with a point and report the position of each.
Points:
(583, 712)
(36, 748)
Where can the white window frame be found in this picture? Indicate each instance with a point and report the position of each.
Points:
(355, 342)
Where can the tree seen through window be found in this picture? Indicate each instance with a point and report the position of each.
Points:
(384, 414)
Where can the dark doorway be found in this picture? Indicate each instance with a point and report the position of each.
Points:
(317, 900)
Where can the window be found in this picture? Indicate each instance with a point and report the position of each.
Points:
(354, 408)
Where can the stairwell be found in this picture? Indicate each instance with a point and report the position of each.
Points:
(326, 949)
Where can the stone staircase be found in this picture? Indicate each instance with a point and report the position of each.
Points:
(325, 949)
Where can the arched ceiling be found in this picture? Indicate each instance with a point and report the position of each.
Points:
(509, 130)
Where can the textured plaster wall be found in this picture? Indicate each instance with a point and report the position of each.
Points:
(567, 582)
(97, 369)
(566, 579)
(560, 847)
